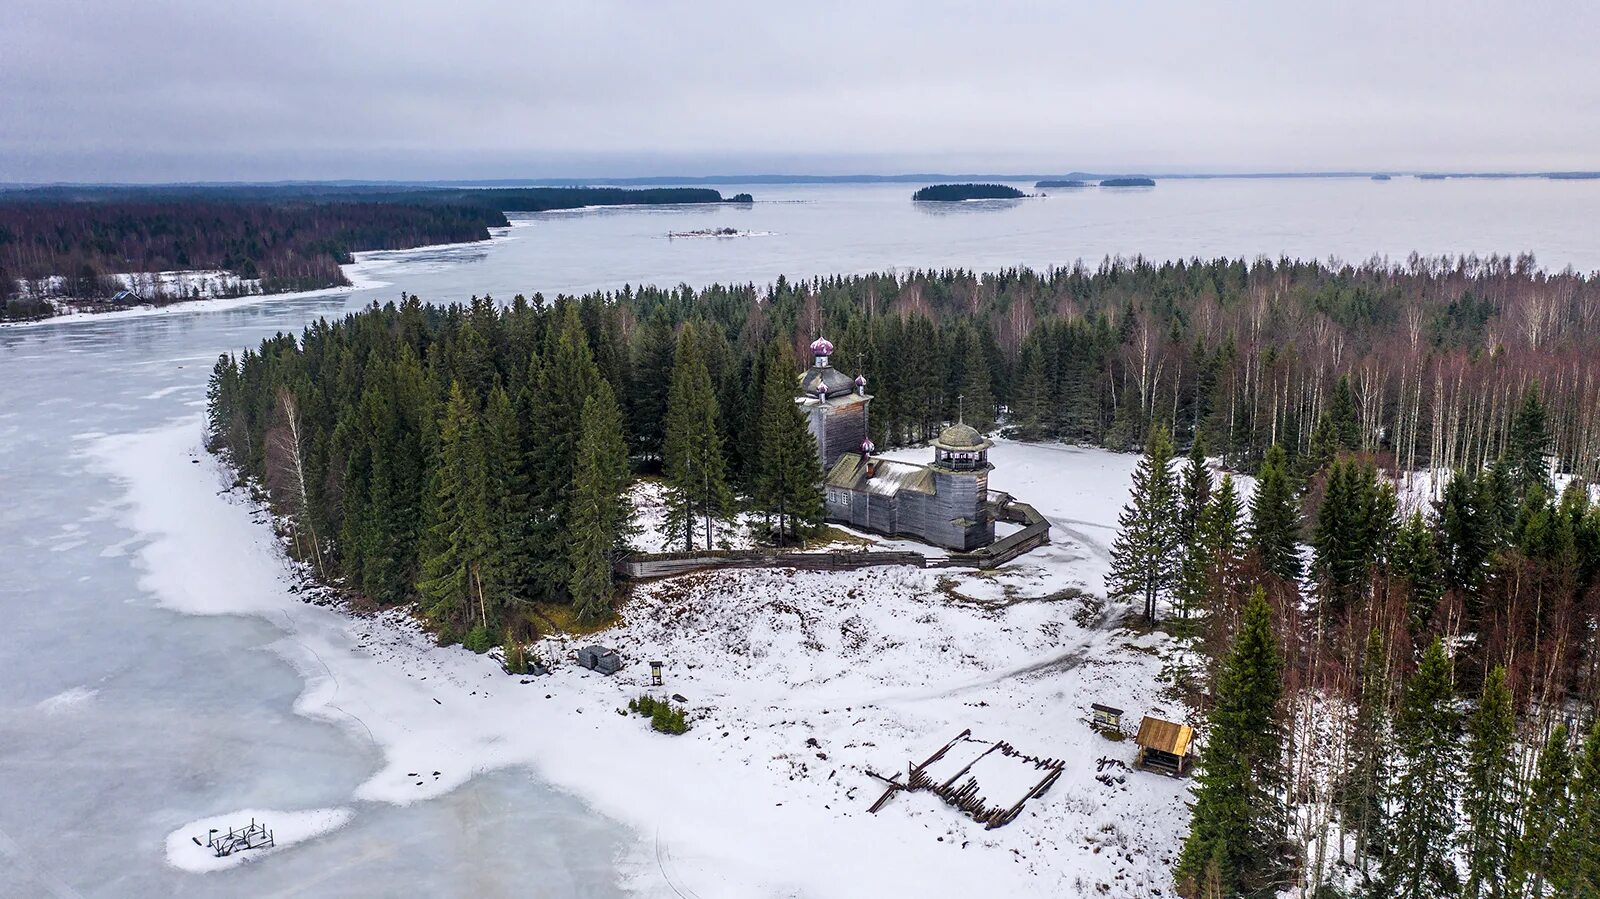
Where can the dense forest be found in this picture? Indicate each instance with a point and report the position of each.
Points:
(1401, 676)
(1411, 708)
(950, 193)
(1128, 182)
(69, 242)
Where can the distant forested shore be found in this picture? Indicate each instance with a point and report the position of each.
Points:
(951, 193)
(89, 245)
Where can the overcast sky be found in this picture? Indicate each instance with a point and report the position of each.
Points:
(425, 89)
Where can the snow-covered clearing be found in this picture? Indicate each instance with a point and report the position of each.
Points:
(798, 684)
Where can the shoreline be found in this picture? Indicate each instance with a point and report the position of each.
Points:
(767, 793)
(360, 273)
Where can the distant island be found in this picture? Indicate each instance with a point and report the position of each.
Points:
(741, 198)
(953, 193)
(1066, 183)
(94, 249)
(1128, 182)
(1380, 177)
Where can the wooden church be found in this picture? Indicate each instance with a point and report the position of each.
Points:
(945, 504)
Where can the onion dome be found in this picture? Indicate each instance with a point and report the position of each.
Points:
(961, 437)
(861, 380)
(867, 447)
(828, 380)
(821, 347)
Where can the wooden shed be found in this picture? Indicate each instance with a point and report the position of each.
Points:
(1164, 746)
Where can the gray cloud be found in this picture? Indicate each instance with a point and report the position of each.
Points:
(182, 89)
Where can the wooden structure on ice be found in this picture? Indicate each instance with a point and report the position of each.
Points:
(989, 782)
(255, 836)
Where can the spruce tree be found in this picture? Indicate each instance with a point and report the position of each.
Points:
(506, 499)
(1530, 444)
(789, 480)
(1419, 866)
(1194, 493)
(1030, 409)
(650, 379)
(697, 489)
(1583, 833)
(1324, 446)
(1536, 865)
(1464, 536)
(1236, 836)
(1345, 417)
(1350, 528)
(459, 535)
(1415, 561)
(1212, 556)
(1144, 556)
(602, 514)
(1364, 793)
(565, 378)
(1275, 517)
(1489, 801)
(222, 400)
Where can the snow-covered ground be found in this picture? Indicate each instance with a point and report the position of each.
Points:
(799, 684)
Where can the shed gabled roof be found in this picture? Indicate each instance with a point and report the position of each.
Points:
(1165, 736)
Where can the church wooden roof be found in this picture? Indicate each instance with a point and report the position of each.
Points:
(889, 477)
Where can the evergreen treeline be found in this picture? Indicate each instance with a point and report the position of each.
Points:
(288, 238)
(477, 459)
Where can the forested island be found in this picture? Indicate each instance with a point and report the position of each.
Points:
(953, 193)
(1066, 183)
(87, 245)
(1128, 182)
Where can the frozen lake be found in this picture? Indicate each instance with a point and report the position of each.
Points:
(121, 720)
